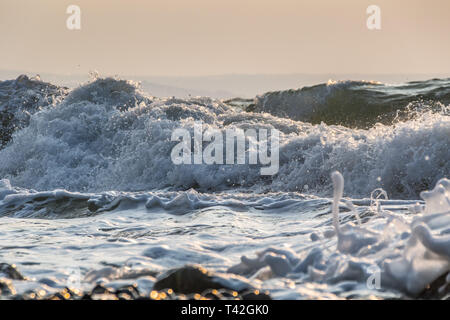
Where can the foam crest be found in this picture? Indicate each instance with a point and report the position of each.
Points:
(408, 259)
(437, 200)
(21, 98)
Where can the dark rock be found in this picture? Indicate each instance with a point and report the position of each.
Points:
(131, 292)
(65, 294)
(213, 294)
(6, 288)
(195, 279)
(10, 272)
(128, 292)
(166, 294)
(100, 289)
(438, 289)
(255, 295)
(187, 283)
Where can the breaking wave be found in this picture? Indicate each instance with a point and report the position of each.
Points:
(355, 103)
(109, 135)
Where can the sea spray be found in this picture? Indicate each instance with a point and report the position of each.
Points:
(108, 135)
(418, 256)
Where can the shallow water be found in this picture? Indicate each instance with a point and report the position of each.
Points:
(214, 234)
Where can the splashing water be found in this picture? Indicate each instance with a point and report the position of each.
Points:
(419, 254)
(108, 135)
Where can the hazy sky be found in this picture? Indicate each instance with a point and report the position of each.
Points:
(206, 37)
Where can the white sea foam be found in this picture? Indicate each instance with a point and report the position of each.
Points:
(409, 255)
(93, 142)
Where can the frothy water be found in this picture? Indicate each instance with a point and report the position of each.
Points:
(107, 135)
(89, 187)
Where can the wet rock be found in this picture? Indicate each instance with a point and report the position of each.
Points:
(6, 288)
(256, 295)
(10, 272)
(65, 294)
(100, 289)
(130, 292)
(214, 294)
(102, 292)
(438, 289)
(195, 279)
(187, 283)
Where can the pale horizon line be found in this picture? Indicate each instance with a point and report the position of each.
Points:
(231, 74)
